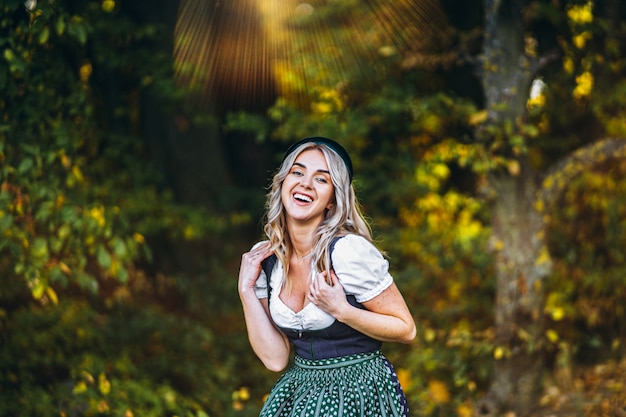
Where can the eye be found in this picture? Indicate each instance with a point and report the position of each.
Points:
(296, 172)
(322, 180)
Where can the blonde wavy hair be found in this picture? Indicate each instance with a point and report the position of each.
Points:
(342, 218)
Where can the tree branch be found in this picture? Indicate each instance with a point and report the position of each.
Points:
(541, 62)
(561, 174)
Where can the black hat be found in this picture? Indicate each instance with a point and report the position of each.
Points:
(319, 140)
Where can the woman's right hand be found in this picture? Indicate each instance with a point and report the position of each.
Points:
(250, 268)
(269, 343)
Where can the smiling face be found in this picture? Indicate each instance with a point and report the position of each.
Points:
(308, 191)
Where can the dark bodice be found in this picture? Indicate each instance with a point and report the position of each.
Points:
(338, 339)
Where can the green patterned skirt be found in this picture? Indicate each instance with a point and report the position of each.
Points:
(358, 385)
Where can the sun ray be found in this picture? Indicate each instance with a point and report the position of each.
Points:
(242, 53)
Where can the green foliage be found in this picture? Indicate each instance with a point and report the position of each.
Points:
(585, 301)
(82, 211)
(143, 362)
(78, 197)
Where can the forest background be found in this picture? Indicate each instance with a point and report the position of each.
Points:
(137, 140)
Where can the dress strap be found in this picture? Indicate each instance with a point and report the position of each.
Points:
(268, 265)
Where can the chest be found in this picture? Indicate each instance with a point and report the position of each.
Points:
(294, 295)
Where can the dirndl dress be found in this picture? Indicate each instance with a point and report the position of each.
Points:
(337, 372)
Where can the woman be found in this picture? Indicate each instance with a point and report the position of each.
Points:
(327, 292)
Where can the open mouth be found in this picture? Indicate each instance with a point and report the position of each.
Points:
(303, 198)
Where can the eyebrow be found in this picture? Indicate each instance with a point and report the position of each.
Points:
(323, 171)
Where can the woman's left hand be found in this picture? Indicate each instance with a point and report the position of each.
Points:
(329, 297)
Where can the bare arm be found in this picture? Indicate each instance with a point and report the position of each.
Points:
(269, 343)
(387, 317)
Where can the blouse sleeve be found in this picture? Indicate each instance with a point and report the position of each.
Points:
(360, 267)
(260, 288)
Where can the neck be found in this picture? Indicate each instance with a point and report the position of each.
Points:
(301, 240)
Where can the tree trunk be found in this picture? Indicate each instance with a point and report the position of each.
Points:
(518, 237)
(521, 264)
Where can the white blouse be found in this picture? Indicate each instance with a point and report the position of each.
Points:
(360, 268)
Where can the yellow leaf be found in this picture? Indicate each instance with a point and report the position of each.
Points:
(103, 407)
(63, 267)
(38, 289)
(438, 391)
(103, 384)
(580, 40)
(138, 237)
(429, 335)
(498, 353)
(536, 102)
(108, 5)
(496, 244)
(552, 335)
(244, 393)
(321, 107)
(431, 124)
(514, 168)
(87, 376)
(80, 388)
(404, 376)
(584, 85)
(85, 72)
(615, 344)
(9, 55)
(568, 65)
(478, 118)
(189, 232)
(77, 173)
(557, 313)
(52, 295)
(97, 213)
(441, 171)
(464, 410)
(581, 14)
(544, 257)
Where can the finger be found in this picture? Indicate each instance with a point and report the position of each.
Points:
(264, 250)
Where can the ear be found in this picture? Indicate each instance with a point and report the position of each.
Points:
(331, 204)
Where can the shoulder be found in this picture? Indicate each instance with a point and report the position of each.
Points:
(360, 267)
(355, 245)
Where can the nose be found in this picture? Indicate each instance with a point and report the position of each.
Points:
(306, 181)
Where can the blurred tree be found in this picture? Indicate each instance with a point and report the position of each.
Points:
(90, 323)
(523, 190)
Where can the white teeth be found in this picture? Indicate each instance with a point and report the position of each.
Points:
(302, 197)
